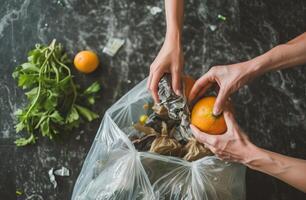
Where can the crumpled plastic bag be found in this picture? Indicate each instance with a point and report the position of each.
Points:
(114, 169)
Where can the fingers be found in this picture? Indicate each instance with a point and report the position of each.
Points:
(149, 81)
(202, 84)
(154, 85)
(176, 82)
(220, 101)
(203, 137)
(202, 91)
(229, 117)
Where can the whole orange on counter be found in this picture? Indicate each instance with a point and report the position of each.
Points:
(202, 117)
(86, 61)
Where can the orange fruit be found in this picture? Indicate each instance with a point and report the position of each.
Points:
(189, 82)
(202, 117)
(86, 61)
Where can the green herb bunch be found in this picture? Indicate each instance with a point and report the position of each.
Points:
(54, 98)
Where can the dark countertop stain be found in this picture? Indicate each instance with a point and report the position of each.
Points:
(271, 109)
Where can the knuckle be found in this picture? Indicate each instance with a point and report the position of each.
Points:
(197, 84)
(213, 150)
(214, 142)
(213, 70)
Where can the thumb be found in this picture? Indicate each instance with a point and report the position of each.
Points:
(220, 102)
(229, 117)
(201, 136)
(176, 82)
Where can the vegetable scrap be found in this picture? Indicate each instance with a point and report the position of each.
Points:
(166, 130)
(18, 193)
(113, 45)
(63, 171)
(143, 119)
(52, 178)
(154, 10)
(212, 27)
(146, 106)
(221, 17)
(56, 103)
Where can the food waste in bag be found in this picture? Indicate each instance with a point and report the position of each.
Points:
(144, 152)
(166, 129)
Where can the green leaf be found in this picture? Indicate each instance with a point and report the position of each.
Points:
(50, 102)
(73, 115)
(56, 117)
(26, 80)
(32, 93)
(91, 100)
(86, 113)
(29, 67)
(93, 88)
(65, 83)
(45, 128)
(42, 118)
(16, 72)
(34, 55)
(65, 59)
(20, 126)
(18, 112)
(25, 141)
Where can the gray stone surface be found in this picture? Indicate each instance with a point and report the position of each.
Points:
(271, 109)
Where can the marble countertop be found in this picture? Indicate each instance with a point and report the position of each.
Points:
(271, 109)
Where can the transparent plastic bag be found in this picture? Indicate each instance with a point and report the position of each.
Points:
(114, 169)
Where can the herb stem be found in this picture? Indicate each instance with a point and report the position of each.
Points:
(39, 83)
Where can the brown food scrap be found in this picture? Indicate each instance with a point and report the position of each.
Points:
(146, 106)
(195, 150)
(144, 143)
(166, 145)
(160, 110)
(146, 130)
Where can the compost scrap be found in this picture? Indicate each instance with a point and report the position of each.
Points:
(166, 131)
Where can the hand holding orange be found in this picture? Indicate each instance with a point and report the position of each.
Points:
(202, 117)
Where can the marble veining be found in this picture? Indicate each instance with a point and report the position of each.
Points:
(271, 108)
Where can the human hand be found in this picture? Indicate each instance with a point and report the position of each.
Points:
(229, 79)
(233, 145)
(170, 59)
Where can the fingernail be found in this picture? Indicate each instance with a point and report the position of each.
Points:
(178, 92)
(216, 112)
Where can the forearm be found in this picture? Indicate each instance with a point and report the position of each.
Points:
(282, 56)
(174, 18)
(287, 169)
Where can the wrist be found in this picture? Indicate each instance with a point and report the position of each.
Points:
(268, 61)
(249, 154)
(173, 35)
(254, 67)
(254, 157)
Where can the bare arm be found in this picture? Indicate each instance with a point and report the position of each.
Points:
(282, 56)
(287, 169)
(231, 77)
(174, 16)
(170, 58)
